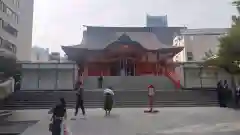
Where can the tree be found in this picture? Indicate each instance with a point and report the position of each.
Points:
(9, 68)
(228, 56)
(208, 55)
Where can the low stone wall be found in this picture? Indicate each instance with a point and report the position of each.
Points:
(47, 79)
(48, 76)
(204, 78)
(57, 76)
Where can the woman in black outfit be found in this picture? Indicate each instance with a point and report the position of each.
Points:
(59, 113)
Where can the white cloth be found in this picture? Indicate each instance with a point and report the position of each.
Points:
(108, 91)
(151, 92)
(65, 130)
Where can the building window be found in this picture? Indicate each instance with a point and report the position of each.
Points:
(16, 2)
(16, 18)
(1, 5)
(9, 12)
(189, 56)
(1, 22)
(9, 46)
(191, 37)
(1, 42)
(12, 14)
(38, 56)
(8, 28)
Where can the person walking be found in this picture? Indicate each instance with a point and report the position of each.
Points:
(100, 82)
(58, 115)
(225, 85)
(226, 94)
(220, 93)
(79, 100)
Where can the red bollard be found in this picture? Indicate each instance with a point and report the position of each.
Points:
(151, 93)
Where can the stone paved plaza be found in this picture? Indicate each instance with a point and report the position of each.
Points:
(175, 121)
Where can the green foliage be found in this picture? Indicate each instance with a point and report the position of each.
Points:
(208, 55)
(8, 67)
(229, 49)
(236, 3)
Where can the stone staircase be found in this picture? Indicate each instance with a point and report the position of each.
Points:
(130, 82)
(123, 99)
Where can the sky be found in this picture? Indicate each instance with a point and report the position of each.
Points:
(59, 22)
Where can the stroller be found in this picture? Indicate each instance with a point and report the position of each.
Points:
(108, 101)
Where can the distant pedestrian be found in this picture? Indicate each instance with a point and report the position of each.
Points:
(17, 86)
(226, 94)
(79, 101)
(220, 93)
(100, 82)
(225, 85)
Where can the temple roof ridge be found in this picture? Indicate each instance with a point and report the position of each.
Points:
(147, 39)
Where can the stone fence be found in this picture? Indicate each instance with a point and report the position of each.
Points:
(62, 76)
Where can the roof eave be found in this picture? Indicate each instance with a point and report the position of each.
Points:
(169, 50)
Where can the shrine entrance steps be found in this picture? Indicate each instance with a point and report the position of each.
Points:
(123, 99)
(130, 82)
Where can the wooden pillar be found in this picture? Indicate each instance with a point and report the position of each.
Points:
(134, 68)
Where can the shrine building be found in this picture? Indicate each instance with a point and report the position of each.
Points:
(126, 51)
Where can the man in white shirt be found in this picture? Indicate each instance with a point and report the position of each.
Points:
(108, 100)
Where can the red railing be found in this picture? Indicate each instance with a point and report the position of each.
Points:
(175, 79)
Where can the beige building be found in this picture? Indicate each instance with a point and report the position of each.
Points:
(39, 54)
(198, 43)
(16, 20)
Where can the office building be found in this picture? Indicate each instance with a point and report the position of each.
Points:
(16, 21)
(198, 43)
(39, 54)
(157, 21)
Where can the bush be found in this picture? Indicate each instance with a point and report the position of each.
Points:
(8, 67)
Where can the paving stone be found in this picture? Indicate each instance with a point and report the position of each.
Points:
(169, 121)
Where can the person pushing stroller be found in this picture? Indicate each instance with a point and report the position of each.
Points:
(108, 100)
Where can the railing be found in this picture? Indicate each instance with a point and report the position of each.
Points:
(10, 49)
(172, 76)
